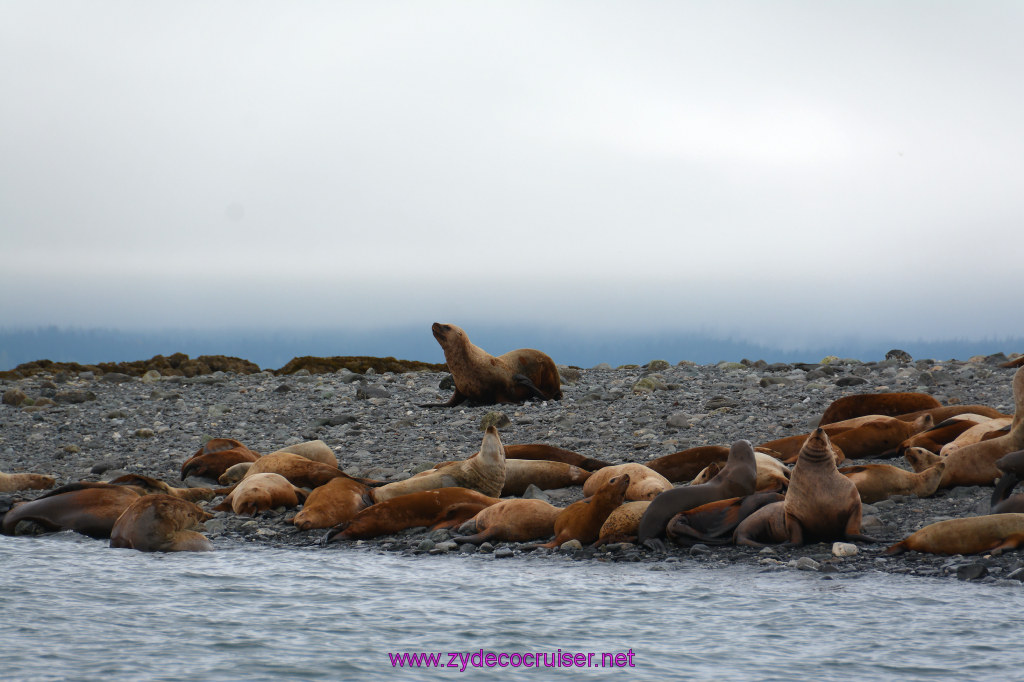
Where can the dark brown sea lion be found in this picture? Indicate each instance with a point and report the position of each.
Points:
(1012, 468)
(737, 479)
(333, 503)
(150, 486)
(483, 379)
(880, 437)
(765, 526)
(441, 508)
(213, 464)
(966, 536)
(1014, 362)
(772, 475)
(10, 483)
(888, 404)
(539, 451)
(934, 438)
(90, 510)
(644, 483)
(260, 492)
(583, 520)
(300, 470)
(881, 481)
(682, 466)
(161, 523)
(714, 523)
(520, 474)
(512, 521)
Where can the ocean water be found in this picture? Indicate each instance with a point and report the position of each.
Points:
(72, 608)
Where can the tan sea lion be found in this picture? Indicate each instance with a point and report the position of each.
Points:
(260, 492)
(976, 464)
(484, 472)
(921, 459)
(520, 474)
(737, 479)
(971, 535)
(512, 521)
(161, 523)
(234, 473)
(993, 428)
(878, 438)
(10, 483)
(889, 404)
(772, 475)
(301, 471)
(145, 485)
(90, 510)
(583, 520)
(941, 414)
(621, 525)
(644, 484)
(441, 508)
(881, 481)
(316, 450)
(333, 503)
(483, 379)
(714, 523)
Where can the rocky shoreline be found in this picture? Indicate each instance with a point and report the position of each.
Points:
(94, 425)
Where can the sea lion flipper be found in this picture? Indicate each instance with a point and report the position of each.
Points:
(655, 545)
(1003, 488)
(525, 382)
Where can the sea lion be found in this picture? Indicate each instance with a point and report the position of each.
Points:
(880, 437)
(316, 450)
(714, 523)
(520, 474)
(145, 485)
(934, 438)
(888, 404)
(161, 523)
(880, 481)
(260, 492)
(333, 503)
(682, 466)
(767, 525)
(966, 536)
(211, 462)
(583, 520)
(621, 525)
(483, 379)
(644, 484)
(1012, 468)
(788, 447)
(1017, 361)
(941, 414)
(921, 459)
(10, 483)
(993, 428)
(90, 510)
(301, 471)
(737, 479)
(235, 473)
(441, 508)
(976, 464)
(772, 475)
(539, 451)
(512, 521)
(484, 472)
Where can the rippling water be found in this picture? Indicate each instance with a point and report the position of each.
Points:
(73, 608)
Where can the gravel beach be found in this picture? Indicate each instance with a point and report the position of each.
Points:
(89, 425)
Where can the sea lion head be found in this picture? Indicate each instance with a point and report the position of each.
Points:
(619, 485)
(446, 333)
(817, 448)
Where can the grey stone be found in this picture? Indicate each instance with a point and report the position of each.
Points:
(806, 563)
(503, 553)
(532, 492)
(972, 571)
(679, 420)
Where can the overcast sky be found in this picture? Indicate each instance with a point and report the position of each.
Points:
(775, 170)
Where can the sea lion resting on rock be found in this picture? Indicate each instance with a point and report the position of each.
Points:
(582, 520)
(511, 521)
(644, 484)
(333, 503)
(442, 508)
(879, 437)
(772, 475)
(260, 492)
(10, 483)
(966, 536)
(934, 438)
(737, 479)
(215, 457)
(540, 451)
(987, 430)
(484, 379)
(301, 471)
(316, 450)
(484, 472)
(88, 509)
(714, 523)
(145, 485)
(881, 481)
(161, 523)
(621, 525)
(888, 404)
(821, 504)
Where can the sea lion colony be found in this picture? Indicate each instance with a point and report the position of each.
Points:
(335, 499)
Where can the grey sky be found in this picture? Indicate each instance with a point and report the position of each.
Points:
(776, 170)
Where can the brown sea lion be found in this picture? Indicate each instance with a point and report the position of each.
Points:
(145, 485)
(993, 428)
(788, 448)
(1017, 361)
(934, 438)
(714, 523)
(484, 472)
(583, 520)
(512, 521)
(765, 526)
(976, 464)
(881, 481)
(90, 510)
(888, 404)
(260, 492)
(441, 508)
(644, 484)
(161, 523)
(772, 475)
(941, 414)
(211, 464)
(621, 525)
(682, 466)
(539, 451)
(333, 503)
(966, 536)
(10, 483)
(921, 459)
(301, 471)
(316, 450)
(737, 479)
(234, 473)
(483, 379)
(878, 438)
(520, 474)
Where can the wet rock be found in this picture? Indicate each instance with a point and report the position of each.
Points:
(972, 571)
(570, 545)
(806, 563)
(503, 553)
